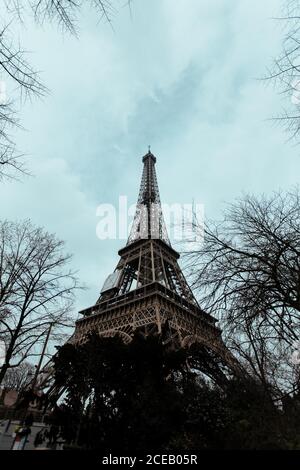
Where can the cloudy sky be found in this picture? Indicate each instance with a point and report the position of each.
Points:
(182, 76)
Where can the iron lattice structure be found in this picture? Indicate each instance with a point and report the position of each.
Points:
(148, 221)
(149, 293)
(148, 290)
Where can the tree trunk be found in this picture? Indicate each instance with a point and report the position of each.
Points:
(3, 371)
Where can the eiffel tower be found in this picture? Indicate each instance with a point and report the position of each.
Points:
(148, 291)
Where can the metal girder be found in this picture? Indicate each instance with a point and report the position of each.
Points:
(150, 289)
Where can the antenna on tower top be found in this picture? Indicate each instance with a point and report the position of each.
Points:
(149, 148)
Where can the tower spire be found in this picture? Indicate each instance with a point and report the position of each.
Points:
(148, 222)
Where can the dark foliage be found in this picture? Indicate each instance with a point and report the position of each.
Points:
(143, 397)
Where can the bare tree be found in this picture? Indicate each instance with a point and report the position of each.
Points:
(263, 355)
(16, 68)
(248, 274)
(19, 377)
(36, 288)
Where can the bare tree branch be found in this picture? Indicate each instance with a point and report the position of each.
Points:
(17, 378)
(17, 69)
(36, 290)
(285, 70)
(248, 274)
